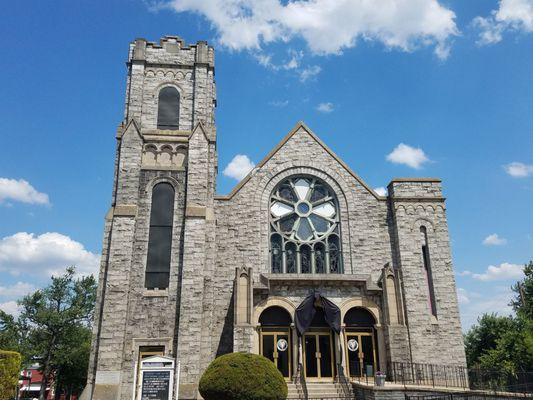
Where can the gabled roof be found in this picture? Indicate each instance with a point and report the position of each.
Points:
(303, 126)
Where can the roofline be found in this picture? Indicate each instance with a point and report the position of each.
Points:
(299, 125)
(437, 180)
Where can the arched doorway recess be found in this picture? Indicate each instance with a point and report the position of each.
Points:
(275, 339)
(360, 343)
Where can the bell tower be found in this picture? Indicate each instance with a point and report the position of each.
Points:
(160, 215)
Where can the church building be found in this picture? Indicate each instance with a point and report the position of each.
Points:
(302, 262)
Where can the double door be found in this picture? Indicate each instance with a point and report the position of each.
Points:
(360, 354)
(318, 356)
(276, 347)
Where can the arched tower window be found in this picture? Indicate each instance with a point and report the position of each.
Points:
(304, 227)
(168, 111)
(427, 271)
(160, 237)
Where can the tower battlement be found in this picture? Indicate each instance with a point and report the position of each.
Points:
(171, 51)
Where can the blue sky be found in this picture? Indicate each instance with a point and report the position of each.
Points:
(451, 80)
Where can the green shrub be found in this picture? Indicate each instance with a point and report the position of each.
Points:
(242, 376)
(9, 374)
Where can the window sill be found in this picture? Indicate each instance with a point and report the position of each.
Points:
(155, 293)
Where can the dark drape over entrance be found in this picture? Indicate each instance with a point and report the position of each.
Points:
(308, 308)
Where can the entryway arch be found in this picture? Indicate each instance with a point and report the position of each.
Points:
(360, 342)
(275, 338)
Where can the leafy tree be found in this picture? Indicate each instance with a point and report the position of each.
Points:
(9, 373)
(53, 327)
(505, 343)
(484, 336)
(71, 362)
(523, 302)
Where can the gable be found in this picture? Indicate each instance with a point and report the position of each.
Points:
(290, 149)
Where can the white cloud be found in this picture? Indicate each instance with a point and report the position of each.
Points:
(463, 273)
(494, 240)
(239, 167)
(462, 296)
(309, 73)
(381, 191)
(19, 289)
(325, 107)
(472, 305)
(327, 27)
(504, 271)
(279, 103)
(43, 255)
(518, 169)
(21, 190)
(511, 15)
(407, 155)
(10, 307)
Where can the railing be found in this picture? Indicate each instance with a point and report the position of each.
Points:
(468, 396)
(299, 380)
(427, 375)
(459, 377)
(500, 380)
(344, 383)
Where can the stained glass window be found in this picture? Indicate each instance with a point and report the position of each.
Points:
(304, 215)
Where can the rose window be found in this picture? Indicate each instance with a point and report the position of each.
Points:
(304, 227)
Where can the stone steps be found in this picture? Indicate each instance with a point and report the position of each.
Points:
(322, 390)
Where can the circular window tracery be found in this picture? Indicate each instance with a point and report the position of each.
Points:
(304, 227)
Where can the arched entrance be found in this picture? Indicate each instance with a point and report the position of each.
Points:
(318, 323)
(360, 343)
(317, 346)
(275, 338)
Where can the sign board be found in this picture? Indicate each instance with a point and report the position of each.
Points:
(157, 378)
(155, 385)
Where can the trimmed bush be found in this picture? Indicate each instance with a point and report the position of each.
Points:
(9, 374)
(242, 376)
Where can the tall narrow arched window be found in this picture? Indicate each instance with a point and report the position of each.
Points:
(168, 109)
(427, 271)
(160, 237)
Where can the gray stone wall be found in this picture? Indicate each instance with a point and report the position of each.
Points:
(434, 339)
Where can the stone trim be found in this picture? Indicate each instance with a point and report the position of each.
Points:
(271, 301)
(160, 168)
(125, 210)
(194, 211)
(287, 279)
(361, 302)
(437, 180)
(155, 293)
(397, 199)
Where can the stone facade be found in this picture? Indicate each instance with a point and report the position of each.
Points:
(220, 278)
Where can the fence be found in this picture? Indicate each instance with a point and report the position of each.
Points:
(428, 375)
(459, 377)
(500, 380)
(465, 396)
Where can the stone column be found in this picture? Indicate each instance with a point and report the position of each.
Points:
(380, 348)
(295, 349)
(342, 338)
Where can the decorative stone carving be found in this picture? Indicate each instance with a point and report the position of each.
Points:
(163, 155)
